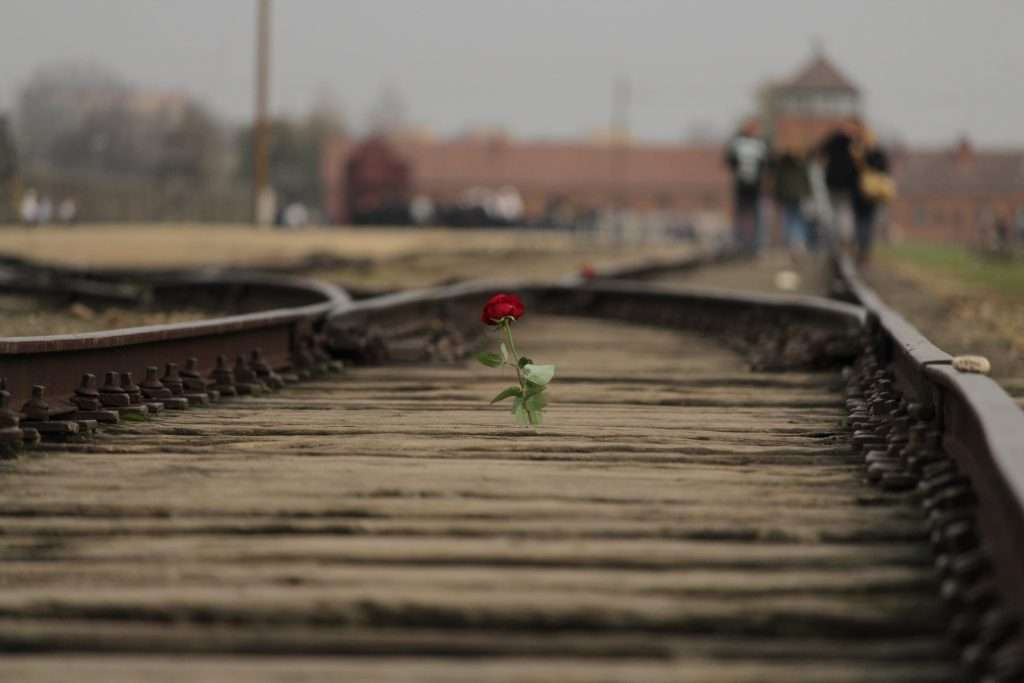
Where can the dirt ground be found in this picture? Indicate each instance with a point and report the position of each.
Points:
(957, 318)
(773, 271)
(373, 258)
(25, 316)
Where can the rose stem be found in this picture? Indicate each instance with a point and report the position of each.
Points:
(507, 326)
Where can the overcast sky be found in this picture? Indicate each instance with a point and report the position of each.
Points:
(930, 69)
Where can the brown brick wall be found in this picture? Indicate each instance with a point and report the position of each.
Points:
(956, 218)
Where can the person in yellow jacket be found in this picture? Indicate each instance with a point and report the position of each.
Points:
(874, 188)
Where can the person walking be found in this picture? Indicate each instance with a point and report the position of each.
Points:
(746, 155)
(874, 189)
(792, 187)
(67, 211)
(841, 178)
(45, 213)
(29, 208)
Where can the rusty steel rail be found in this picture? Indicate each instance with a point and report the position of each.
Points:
(365, 330)
(47, 284)
(67, 383)
(700, 258)
(957, 439)
(77, 378)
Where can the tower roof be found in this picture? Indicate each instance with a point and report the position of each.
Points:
(820, 74)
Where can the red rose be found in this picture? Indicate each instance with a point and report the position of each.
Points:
(502, 306)
(588, 272)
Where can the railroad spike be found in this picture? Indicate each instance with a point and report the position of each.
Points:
(131, 388)
(932, 484)
(246, 379)
(111, 393)
(952, 593)
(172, 380)
(86, 396)
(89, 402)
(151, 386)
(36, 408)
(37, 412)
(955, 496)
(957, 537)
(11, 436)
(941, 518)
(898, 482)
(154, 390)
(196, 390)
(302, 363)
(135, 409)
(264, 371)
(222, 379)
(938, 467)
(970, 565)
(963, 627)
(877, 470)
(982, 595)
(1006, 665)
(995, 629)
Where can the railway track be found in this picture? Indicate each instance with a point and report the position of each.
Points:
(849, 509)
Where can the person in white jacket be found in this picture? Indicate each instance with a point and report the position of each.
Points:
(746, 156)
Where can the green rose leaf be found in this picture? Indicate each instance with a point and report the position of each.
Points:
(491, 360)
(538, 374)
(524, 361)
(519, 412)
(511, 391)
(532, 389)
(535, 403)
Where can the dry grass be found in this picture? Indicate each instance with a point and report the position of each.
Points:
(381, 258)
(192, 244)
(961, 301)
(25, 316)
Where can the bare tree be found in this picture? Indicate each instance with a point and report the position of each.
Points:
(58, 99)
(85, 119)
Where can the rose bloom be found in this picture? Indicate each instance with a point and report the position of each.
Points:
(502, 306)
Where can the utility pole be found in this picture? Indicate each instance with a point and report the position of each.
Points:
(262, 197)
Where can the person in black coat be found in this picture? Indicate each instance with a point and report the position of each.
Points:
(841, 178)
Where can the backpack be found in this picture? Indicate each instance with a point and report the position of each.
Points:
(877, 186)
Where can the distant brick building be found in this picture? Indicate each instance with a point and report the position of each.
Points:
(583, 175)
(957, 194)
(953, 194)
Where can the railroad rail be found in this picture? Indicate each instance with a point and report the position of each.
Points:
(958, 439)
(67, 384)
(638, 524)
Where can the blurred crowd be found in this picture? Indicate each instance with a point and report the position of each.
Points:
(42, 210)
(828, 196)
